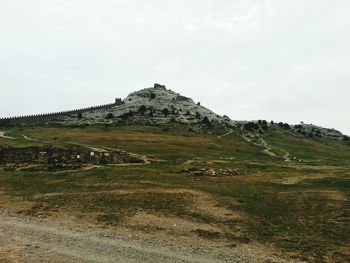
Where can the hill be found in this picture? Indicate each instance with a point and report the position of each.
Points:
(145, 184)
(152, 106)
(158, 106)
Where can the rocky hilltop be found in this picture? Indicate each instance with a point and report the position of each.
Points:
(163, 107)
(154, 106)
(151, 106)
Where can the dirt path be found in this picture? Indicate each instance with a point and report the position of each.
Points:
(226, 134)
(2, 135)
(98, 149)
(34, 140)
(268, 148)
(286, 156)
(37, 240)
(85, 245)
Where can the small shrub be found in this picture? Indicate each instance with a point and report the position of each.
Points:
(286, 126)
(206, 120)
(126, 115)
(251, 126)
(165, 111)
(142, 109)
(110, 116)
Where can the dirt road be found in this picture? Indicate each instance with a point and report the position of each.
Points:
(27, 239)
(81, 244)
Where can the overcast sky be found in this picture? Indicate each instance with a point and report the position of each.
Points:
(277, 60)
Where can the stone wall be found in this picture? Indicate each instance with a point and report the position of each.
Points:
(49, 116)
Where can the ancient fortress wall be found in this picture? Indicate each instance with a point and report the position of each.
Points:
(49, 116)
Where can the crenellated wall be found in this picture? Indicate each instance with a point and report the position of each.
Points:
(48, 116)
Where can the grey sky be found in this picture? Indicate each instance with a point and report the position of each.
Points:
(279, 59)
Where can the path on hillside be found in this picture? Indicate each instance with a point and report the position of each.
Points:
(39, 240)
(268, 149)
(286, 156)
(226, 134)
(34, 140)
(2, 135)
(100, 150)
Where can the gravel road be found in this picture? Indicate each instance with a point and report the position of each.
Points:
(27, 239)
(66, 243)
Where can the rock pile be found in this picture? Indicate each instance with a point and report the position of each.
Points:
(215, 172)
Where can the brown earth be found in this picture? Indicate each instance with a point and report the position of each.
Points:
(71, 236)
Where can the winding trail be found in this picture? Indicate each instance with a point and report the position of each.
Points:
(34, 140)
(2, 135)
(286, 156)
(92, 148)
(268, 148)
(226, 134)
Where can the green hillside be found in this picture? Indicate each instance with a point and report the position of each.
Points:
(299, 207)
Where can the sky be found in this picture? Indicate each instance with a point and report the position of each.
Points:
(276, 60)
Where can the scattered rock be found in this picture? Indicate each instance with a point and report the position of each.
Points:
(215, 172)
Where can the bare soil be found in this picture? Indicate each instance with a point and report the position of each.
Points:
(67, 236)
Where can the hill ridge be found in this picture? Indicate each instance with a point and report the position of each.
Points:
(159, 106)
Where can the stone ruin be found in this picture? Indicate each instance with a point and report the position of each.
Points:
(215, 172)
(57, 158)
(156, 85)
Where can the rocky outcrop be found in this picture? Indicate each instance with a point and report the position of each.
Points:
(152, 106)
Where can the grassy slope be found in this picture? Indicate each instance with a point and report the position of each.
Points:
(307, 218)
(316, 150)
(173, 146)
